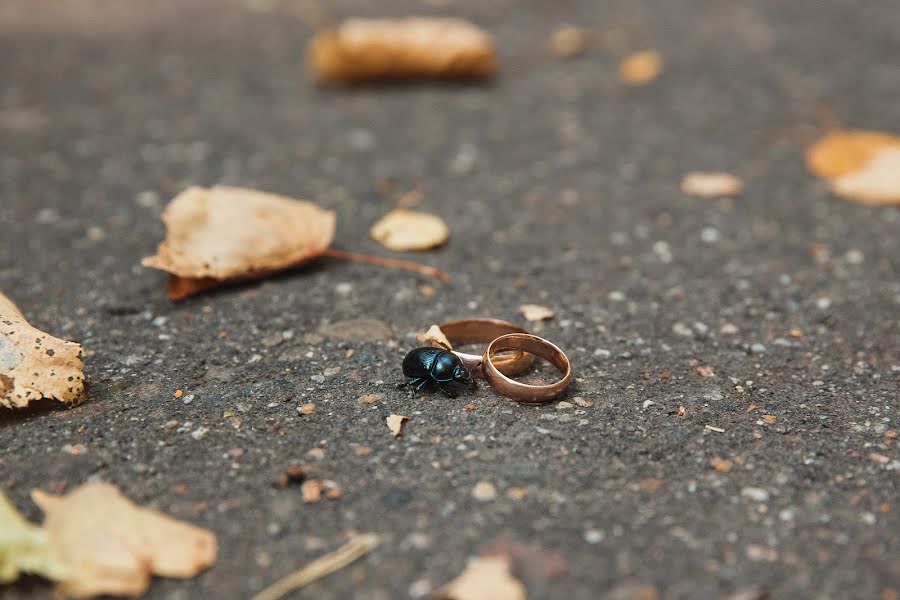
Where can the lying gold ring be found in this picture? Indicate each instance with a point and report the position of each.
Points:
(522, 392)
(484, 331)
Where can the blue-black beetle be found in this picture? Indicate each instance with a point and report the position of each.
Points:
(436, 366)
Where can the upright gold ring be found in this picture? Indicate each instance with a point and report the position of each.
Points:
(536, 346)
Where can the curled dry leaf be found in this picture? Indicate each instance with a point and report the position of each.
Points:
(404, 230)
(94, 542)
(395, 424)
(711, 184)
(220, 234)
(24, 548)
(435, 338)
(641, 68)
(569, 41)
(114, 546)
(485, 578)
(863, 166)
(536, 312)
(416, 47)
(35, 365)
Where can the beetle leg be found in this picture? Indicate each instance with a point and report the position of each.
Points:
(422, 384)
(413, 381)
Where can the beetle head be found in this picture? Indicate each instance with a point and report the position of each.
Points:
(464, 376)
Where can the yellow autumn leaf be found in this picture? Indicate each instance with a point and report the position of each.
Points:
(414, 47)
(641, 68)
(435, 337)
(404, 230)
(395, 424)
(711, 184)
(536, 312)
(859, 165)
(112, 546)
(485, 578)
(34, 364)
(25, 548)
(220, 234)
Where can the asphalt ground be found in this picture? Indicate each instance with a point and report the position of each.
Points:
(560, 186)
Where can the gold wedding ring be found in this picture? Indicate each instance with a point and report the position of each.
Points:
(535, 346)
(484, 331)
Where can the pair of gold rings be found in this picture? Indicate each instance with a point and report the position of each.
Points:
(510, 351)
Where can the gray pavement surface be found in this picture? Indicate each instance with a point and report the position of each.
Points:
(561, 188)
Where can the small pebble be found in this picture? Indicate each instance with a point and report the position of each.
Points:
(854, 257)
(710, 235)
(681, 329)
(756, 494)
(484, 491)
(757, 348)
(594, 536)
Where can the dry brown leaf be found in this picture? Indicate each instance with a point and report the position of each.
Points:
(863, 166)
(485, 578)
(569, 41)
(404, 230)
(220, 234)
(435, 338)
(536, 312)
(641, 68)
(711, 184)
(395, 424)
(35, 365)
(416, 47)
(114, 546)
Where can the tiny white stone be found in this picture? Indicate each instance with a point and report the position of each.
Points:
(663, 251)
(681, 329)
(756, 494)
(854, 257)
(728, 329)
(710, 235)
(594, 536)
(484, 491)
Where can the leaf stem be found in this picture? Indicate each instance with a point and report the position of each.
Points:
(391, 263)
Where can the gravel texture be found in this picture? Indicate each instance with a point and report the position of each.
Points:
(731, 428)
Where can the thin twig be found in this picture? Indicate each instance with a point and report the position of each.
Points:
(391, 263)
(322, 566)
